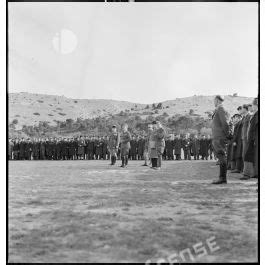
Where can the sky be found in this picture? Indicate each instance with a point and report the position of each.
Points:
(138, 52)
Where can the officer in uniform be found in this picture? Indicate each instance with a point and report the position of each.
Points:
(113, 144)
(220, 134)
(160, 135)
(147, 144)
(125, 139)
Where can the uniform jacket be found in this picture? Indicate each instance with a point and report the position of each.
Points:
(220, 128)
(125, 139)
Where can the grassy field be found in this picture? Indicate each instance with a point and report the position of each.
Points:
(88, 211)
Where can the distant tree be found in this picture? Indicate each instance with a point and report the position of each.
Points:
(153, 106)
(235, 95)
(159, 106)
(191, 112)
(147, 107)
(15, 121)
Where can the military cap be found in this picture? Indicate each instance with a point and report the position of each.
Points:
(154, 122)
(239, 108)
(221, 98)
(113, 126)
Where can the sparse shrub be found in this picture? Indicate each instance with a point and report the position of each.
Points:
(191, 112)
(62, 114)
(15, 121)
(50, 114)
(75, 101)
(36, 113)
(59, 108)
(17, 115)
(40, 101)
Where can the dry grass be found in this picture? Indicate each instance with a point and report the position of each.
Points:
(88, 211)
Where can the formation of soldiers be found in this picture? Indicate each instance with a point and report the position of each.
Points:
(234, 144)
(95, 148)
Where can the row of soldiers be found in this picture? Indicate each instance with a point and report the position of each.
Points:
(89, 148)
(242, 149)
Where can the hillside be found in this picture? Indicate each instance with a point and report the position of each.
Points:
(29, 108)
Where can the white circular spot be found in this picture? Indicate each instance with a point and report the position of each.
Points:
(64, 41)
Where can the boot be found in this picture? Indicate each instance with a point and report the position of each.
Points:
(222, 177)
(114, 160)
(123, 161)
(111, 159)
(126, 160)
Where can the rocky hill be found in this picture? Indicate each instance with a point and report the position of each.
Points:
(29, 109)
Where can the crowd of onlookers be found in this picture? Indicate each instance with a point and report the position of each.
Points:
(243, 147)
(177, 147)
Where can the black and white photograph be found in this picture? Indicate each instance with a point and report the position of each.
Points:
(133, 132)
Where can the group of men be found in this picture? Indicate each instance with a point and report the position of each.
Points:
(90, 148)
(242, 149)
(236, 143)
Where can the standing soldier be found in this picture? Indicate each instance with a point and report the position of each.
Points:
(169, 146)
(42, 149)
(28, 149)
(195, 147)
(10, 148)
(125, 139)
(186, 147)
(252, 152)
(104, 147)
(90, 148)
(177, 147)
(113, 144)
(71, 149)
(16, 149)
(133, 150)
(210, 146)
(140, 147)
(64, 149)
(86, 147)
(22, 145)
(220, 133)
(248, 166)
(160, 135)
(97, 148)
(35, 149)
(147, 144)
(237, 144)
(204, 144)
